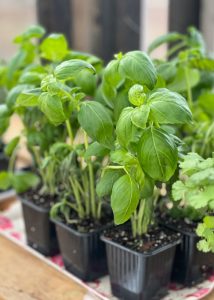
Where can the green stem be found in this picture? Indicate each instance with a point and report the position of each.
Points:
(134, 225)
(80, 209)
(12, 162)
(189, 90)
(174, 49)
(70, 133)
(86, 193)
(91, 180)
(140, 217)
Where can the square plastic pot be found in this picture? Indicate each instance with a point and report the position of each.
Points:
(3, 162)
(83, 254)
(40, 231)
(190, 264)
(139, 276)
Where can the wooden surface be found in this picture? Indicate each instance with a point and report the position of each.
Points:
(24, 276)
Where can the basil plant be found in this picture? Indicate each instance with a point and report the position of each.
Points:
(142, 149)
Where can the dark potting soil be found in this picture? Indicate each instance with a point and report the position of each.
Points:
(39, 199)
(184, 224)
(89, 224)
(156, 237)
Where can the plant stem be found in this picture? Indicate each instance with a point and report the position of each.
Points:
(175, 48)
(134, 225)
(91, 181)
(12, 161)
(70, 133)
(189, 91)
(80, 208)
(140, 217)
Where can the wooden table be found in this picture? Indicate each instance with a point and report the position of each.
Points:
(24, 276)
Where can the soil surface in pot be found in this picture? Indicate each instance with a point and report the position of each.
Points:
(87, 225)
(39, 199)
(156, 237)
(183, 224)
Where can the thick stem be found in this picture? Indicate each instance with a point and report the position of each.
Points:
(134, 225)
(12, 162)
(70, 133)
(140, 217)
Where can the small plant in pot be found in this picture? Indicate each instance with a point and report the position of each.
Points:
(52, 105)
(81, 216)
(192, 215)
(143, 154)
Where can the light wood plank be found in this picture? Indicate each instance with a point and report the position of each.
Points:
(24, 276)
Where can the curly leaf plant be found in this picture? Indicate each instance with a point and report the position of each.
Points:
(196, 189)
(142, 151)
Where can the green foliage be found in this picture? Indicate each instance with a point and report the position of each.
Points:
(124, 198)
(20, 182)
(196, 189)
(97, 122)
(54, 47)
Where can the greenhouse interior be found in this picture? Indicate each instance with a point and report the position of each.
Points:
(106, 150)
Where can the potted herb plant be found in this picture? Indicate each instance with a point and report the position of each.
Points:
(57, 99)
(192, 215)
(143, 153)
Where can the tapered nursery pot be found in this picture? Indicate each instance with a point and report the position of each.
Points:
(3, 161)
(190, 265)
(139, 276)
(83, 254)
(40, 231)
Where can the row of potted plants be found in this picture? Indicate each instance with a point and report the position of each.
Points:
(109, 146)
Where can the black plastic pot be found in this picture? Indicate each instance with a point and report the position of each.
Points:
(3, 162)
(139, 276)
(40, 231)
(83, 254)
(190, 265)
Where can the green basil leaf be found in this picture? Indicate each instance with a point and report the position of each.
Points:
(10, 147)
(124, 199)
(13, 95)
(71, 68)
(95, 149)
(87, 82)
(168, 108)
(120, 103)
(4, 118)
(31, 78)
(105, 185)
(206, 101)
(52, 107)
(5, 180)
(34, 31)
(54, 47)
(157, 154)
(138, 67)
(96, 120)
(166, 38)
(125, 129)
(122, 157)
(111, 79)
(29, 98)
(147, 188)
(140, 116)
(21, 182)
(179, 83)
